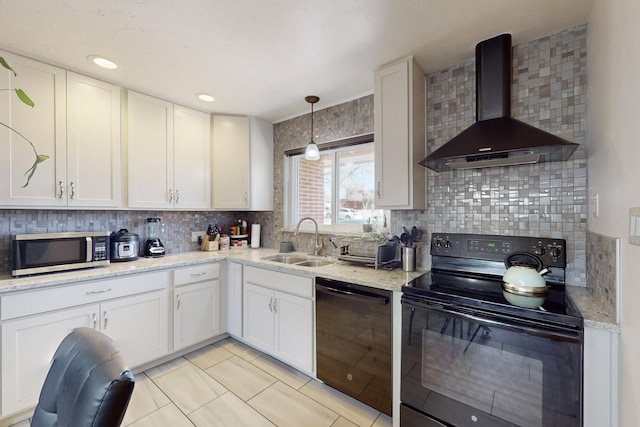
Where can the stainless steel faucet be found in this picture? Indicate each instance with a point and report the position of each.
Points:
(317, 246)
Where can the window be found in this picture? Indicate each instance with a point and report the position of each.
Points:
(337, 190)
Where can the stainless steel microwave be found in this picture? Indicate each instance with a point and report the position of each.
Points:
(51, 252)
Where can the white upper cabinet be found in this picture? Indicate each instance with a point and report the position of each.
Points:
(399, 126)
(76, 122)
(191, 159)
(39, 129)
(149, 151)
(242, 163)
(169, 156)
(94, 155)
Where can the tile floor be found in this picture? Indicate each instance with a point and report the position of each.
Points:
(231, 384)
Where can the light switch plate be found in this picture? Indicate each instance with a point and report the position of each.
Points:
(195, 235)
(634, 226)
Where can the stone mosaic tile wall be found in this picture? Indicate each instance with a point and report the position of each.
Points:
(548, 91)
(602, 270)
(178, 225)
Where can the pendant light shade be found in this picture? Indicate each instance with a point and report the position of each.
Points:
(312, 152)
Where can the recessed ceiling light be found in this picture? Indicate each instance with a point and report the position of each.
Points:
(205, 97)
(103, 62)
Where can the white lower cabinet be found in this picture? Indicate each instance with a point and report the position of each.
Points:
(196, 305)
(278, 315)
(132, 310)
(138, 325)
(27, 347)
(600, 377)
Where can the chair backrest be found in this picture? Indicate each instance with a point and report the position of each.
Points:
(88, 384)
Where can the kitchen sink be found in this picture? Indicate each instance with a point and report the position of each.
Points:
(313, 263)
(285, 259)
(297, 260)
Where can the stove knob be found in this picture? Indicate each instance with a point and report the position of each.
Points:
(438, 243)
(539, 250)
(447, 244)
(556, 251)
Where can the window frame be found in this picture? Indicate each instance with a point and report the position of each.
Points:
(291, 192)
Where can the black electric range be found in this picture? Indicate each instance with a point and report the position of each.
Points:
(470, 357)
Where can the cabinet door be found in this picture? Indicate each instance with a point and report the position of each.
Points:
(149, 152)
(294, 330)
(44, 126)
(261, 186)
(258, 321)
(28, 344)
(234, 299)
(191, 159)
(94, 165)
(399, 121)
(195, 313)
(230, 162)
(391, 108)
(138, 325)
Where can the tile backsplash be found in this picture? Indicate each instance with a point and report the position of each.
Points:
(178, 225)
(602, 271)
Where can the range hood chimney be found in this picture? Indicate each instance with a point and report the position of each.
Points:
(497, 139)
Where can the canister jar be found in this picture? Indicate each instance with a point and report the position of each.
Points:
(224, 242)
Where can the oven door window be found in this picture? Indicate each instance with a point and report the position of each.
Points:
(467, 370)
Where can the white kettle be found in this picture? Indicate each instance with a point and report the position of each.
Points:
(522, 283)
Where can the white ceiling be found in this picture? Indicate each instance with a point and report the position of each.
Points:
(262, 57)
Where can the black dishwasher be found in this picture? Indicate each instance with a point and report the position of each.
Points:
(353, 341)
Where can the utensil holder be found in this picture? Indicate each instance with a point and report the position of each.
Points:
(409, 258)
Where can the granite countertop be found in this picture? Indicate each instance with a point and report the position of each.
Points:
(390, 280)
(594, 315)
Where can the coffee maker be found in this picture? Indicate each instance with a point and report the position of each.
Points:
(153, 245)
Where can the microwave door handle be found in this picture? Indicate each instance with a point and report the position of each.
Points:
(89, 249)
(543, 333)
(353, 295)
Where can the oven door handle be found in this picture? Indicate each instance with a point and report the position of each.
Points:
(543, 333)
(377, 299)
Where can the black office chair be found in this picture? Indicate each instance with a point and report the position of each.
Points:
(88, 384)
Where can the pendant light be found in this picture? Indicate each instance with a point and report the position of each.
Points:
(312, 152)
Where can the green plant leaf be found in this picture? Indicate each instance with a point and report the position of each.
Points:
(24, 97)
(39, 159)
(6, 65)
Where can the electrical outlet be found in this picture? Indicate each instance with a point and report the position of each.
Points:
(195, 235)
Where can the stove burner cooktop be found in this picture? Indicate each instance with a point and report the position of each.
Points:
(467, 271)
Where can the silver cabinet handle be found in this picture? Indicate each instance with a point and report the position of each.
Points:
(178, 302)
(104, 326)
(275, 305)
(101, 291)
(246, 198)
(202, 273)
(73, 190)
(170, 196)
(378, 189)
(177, 196)
(271, 304)
(95, 320)
(60, 190)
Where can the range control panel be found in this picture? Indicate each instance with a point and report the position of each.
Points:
(552, 252)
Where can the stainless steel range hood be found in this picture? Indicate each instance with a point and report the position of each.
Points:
(497, 139)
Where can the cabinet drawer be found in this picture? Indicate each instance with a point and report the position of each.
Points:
(197, 273)
(33, 302)
(289, 283)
